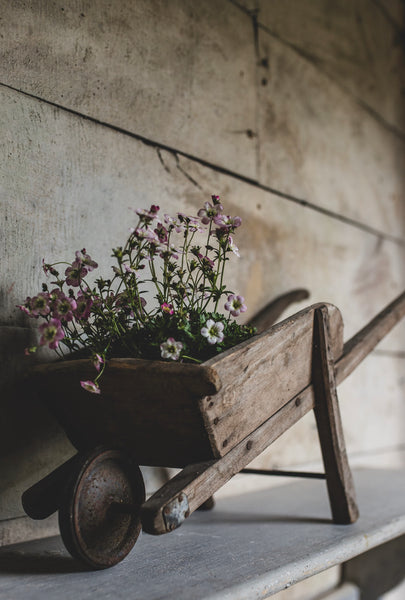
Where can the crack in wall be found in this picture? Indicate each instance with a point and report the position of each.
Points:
(184, 172)
(317, 63)
(219, 169)
(162, 162)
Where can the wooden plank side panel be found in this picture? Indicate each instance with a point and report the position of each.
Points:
(148, 407)
(261, 375)
(356, 45)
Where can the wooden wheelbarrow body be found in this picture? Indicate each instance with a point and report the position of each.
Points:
(214, 419)
(172, 414)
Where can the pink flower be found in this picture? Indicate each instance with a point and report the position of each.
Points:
(90, 386)
(148, 215)
(83, 258)
(30, 350)
(175, 224)
(26, 307)
(146, 234)
(171, 349)
(228, 223)
(83, 307)
(167, 308)
(168, 252)
(209, 212)
(98, 360)
(52, 333)
(75, 273)
(235, 305)
(128, 269)
(214, 332)
(40, 305)
(191, 223)
(205, 261)
(49, 269)
(161, 233)
(63, 308)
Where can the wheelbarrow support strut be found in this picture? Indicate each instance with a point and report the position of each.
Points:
(176, 500)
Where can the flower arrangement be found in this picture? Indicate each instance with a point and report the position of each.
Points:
(180, 262)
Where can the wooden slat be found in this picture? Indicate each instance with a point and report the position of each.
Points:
(260, 376)
(199, 481)
(360, 345)
(330, 430)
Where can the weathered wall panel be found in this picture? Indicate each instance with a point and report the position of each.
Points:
(283, 245)
(181, 72)
(356, 44)
(198, 85)
(318, 144)
(287, 245)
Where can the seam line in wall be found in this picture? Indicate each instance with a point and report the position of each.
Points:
(223, 170)
(312, 60)
(375, 115)
(390, 353)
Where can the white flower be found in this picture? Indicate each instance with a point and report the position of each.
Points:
(232, 246)
(235, 305)
(213, 332)
(171, 349)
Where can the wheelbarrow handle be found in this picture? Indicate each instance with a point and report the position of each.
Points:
(360, 345)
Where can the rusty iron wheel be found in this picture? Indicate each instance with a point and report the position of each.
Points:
(99, 516)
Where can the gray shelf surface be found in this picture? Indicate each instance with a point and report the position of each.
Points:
(248, 547)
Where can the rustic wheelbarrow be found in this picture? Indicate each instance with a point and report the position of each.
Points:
(211, 420)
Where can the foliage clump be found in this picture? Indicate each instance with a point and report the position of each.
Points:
(180, 261)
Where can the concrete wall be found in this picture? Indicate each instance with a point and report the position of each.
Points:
(291, 111)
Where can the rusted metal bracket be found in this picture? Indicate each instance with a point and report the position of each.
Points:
(176, 512)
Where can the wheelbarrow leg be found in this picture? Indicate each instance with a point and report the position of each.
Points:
(337, 470)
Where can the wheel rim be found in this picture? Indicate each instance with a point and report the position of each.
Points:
(100, 517)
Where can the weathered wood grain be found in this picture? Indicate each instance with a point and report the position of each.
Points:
(199, 481)
(259, 376)
(148, 407)
(342, 496)
(188, 84)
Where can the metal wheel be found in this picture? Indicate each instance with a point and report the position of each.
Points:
(99, 516)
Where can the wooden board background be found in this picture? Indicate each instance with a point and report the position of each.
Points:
(294, 117)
